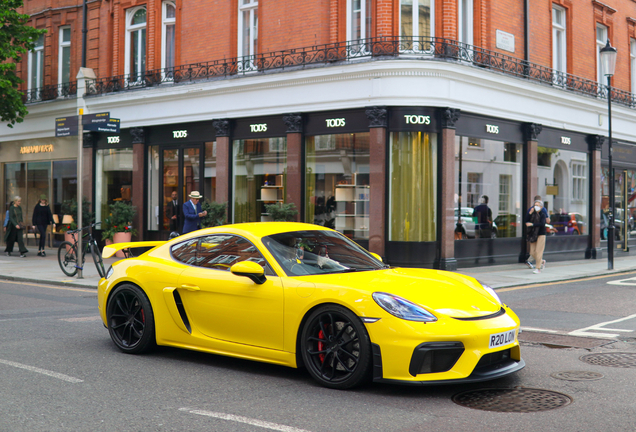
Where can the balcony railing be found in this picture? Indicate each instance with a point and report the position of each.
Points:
(51, 92)
(381, 48)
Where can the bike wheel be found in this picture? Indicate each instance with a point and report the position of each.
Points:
(67, 257)
(97, 259)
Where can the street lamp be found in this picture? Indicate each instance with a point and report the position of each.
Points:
(608, 62)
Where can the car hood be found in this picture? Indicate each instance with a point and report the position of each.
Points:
(439, 291)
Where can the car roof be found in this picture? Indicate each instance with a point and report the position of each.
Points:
(258, 229)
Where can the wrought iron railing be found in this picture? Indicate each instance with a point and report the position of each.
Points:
(50, 92)
(425, 49)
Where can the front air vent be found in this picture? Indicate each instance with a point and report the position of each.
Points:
(500, 312)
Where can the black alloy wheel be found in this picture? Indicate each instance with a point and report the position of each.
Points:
(335, 347)
(97, 258)
(130, 320)
(67, 258)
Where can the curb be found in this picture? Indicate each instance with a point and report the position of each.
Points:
(568, 279)
(47, 282)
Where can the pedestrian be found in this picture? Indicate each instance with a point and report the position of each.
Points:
(192, 213)
(547, 220)
(42, 218)
(535, 234)
(15, 229)
(6, 217)
(483, 226)
(174, 213)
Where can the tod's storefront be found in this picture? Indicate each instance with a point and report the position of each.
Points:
(401, 181)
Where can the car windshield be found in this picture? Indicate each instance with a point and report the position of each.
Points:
(303, 253)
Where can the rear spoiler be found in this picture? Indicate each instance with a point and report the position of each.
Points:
(110, 250)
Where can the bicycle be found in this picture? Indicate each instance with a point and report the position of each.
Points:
(67, 253)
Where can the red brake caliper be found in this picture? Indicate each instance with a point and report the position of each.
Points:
(321, 335)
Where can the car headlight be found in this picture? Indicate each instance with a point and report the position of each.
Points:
(492, 292)
(402, 308)
(110, 272)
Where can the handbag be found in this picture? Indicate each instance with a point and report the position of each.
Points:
(22, 225)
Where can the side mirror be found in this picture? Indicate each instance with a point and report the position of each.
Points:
(376, 256)
(250, 270)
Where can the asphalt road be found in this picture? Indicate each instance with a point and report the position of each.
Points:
(59, 371)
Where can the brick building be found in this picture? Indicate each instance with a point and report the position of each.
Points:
(388, 120)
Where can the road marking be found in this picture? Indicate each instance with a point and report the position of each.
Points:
(82, 319)
(558, 283)
(246, 420)
(43, 371)
(538, 330)
(623, 282)
(585, 332)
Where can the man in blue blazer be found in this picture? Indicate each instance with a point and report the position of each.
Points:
(192, 213)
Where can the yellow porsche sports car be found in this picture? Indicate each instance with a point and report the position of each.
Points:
(301, 295)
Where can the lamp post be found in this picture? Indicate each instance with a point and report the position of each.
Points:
(608, 62)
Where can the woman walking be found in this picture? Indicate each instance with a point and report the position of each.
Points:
(15, 229)
(42, 217)
(536, 234)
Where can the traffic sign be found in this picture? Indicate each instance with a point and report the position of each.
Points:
(98, 118)
(66, 126)
(112, 126)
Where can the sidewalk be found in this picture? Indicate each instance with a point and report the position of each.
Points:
(47, 270)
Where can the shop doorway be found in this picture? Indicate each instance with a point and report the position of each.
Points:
(623, 218)
(181, 167)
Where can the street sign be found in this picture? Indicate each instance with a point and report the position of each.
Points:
(98, 118)
(66, 126)
(112, 126)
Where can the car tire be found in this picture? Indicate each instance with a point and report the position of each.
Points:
(336, 348)
(130, 319)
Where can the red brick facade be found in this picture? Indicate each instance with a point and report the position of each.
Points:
(207, 30)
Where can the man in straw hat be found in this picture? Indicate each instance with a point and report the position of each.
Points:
(192, 213)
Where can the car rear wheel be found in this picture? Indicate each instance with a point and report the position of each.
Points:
(336, 348)
(131, 321)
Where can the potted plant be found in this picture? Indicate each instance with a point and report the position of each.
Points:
(282, 212)
(217, 213)
(118, 225)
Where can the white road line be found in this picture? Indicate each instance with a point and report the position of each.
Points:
(246, 420)
(43, 371)
(534, 329)
(82, 319)
(632, 281)
(585, 332)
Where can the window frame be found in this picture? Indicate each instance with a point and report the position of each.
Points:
(130, 28)
(465, 21)
(632, 56)
(62, 45)
(37, 55)
(366, 20)
(578, 172)
(599, 46)
(559, 53)
(252, 8)
(165, 23)
(416, 28)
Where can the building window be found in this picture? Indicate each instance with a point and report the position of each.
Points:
(168, 40)
(559, 50)
(64, 61)
(337, 183)
(633, 62)
(413, 187)
(359, 20)
(505, 186)
(248, 29)
(417, 20)
(113, 179)
(474, 188)
(36, 65)
(136, 43)
(465, 21)
(601, 41)
(579, 191)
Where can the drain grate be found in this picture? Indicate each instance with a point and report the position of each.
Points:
(621, 360)
(521, 400)
(577, 376)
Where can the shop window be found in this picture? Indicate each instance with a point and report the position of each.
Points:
(601, 40)
(416, 24)
(153, 180)
(136, 43)
(413, 187)
(544, 156)
(169, 20)
(259, 177)
(64, 52)
(248, 33)
(113, 179)
(209, 177)
(337, 183)
(36, 65)
(492, 178)
(559, 45)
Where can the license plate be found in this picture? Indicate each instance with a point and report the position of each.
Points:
(501, 339)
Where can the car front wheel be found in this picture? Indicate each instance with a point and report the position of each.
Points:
(336, 348)
(131, 321)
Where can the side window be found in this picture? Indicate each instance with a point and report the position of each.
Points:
(186, 252)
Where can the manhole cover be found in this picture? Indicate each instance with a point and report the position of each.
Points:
(521, 400)
(621, 360)
(577, 376)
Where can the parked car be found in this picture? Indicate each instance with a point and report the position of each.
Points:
(468, 223)
(568, 224)
(550, 230)
(508, 225)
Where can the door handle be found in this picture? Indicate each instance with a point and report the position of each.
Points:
(190, 287)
